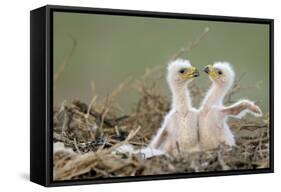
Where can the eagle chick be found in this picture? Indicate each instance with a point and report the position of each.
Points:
(213, 115)
(179, 130)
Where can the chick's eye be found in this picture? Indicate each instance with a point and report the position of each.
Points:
(219, 72)
(182, 71)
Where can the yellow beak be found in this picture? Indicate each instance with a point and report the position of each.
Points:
(211, 71)
(192, 72)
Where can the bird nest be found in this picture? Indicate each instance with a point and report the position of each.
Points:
(85, 135)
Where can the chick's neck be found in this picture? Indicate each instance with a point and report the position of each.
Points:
(181, 98)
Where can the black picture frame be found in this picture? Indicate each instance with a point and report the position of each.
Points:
(41, 99)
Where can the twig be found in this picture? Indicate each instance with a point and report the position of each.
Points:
(76, 146)
(129, 137)
(253, 127)
(221, 161)
(192, 45)
(65, 61)
(91, 105)
(235, 88)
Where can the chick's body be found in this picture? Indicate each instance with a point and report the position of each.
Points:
(214, 129)
(182, 132)
(187, 130)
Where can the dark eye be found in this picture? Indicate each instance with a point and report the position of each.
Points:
(182, 71)
(219, 72)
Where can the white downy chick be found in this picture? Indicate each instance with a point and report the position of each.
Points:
(213, 115)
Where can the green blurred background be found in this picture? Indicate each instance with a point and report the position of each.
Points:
(112, 48)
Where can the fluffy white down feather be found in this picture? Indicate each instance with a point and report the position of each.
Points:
(59, 147)
(145, 153)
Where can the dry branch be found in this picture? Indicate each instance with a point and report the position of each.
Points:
(65, 62)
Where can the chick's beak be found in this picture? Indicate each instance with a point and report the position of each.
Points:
(207, 69)
(195, 73)
(210, 70)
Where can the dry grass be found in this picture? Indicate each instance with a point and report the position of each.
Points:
(87, 134)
